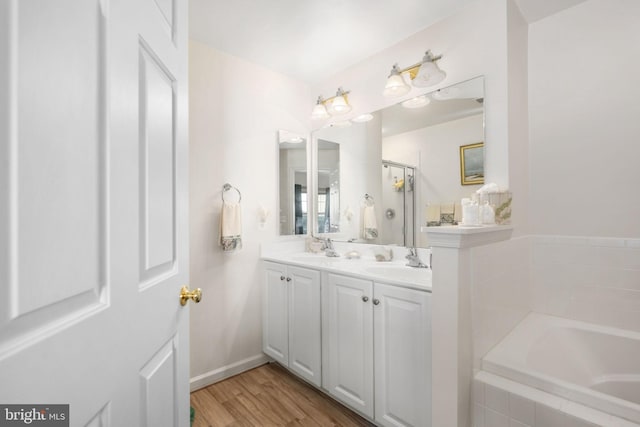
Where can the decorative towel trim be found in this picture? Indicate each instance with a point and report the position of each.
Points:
(231, 243)
(370, 233)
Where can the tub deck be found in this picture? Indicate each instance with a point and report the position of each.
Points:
(590, 364)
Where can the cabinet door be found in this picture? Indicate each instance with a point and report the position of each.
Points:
(275, 335)
(402, 325)
(348, 338)
(304, 324)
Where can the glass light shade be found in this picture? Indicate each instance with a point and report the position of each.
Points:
(339, 105)
(396, 86)
(417, 102)
(319, 112)
(428, 75)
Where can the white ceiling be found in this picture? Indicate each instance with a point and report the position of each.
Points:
(534, 10)
(312, 39)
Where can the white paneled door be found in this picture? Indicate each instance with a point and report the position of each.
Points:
(93, 209)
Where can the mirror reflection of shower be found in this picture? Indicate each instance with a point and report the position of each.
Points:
(398, 204)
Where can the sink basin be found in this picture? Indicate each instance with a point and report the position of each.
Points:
(402, 273)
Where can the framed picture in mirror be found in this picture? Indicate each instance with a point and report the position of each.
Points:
(472, 164)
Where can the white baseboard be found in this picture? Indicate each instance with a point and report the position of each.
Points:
(224, 372)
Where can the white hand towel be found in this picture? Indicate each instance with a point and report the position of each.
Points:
(369, 225)
(230, 227)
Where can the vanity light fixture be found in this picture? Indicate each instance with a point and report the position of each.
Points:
(423, 74)
(336, 105)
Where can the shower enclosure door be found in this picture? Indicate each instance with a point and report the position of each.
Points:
(398, 200)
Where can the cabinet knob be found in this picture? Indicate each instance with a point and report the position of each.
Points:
(376, 301)
(288, 279)
(281, 277)
(365, 299)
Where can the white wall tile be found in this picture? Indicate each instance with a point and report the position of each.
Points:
(619, 422)
(630, 279)
(495, 419)
(548, 417)
(496, 399)
(632, 243)
(514, 423)
(582, 412)
(606, 242)
(590, 279)
(478, 392)
(478, 415)
(577, 422)
(522, 409)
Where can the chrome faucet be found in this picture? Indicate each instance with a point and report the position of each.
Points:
(329, 250)
(414, 259)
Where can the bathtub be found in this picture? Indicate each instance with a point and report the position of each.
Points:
(589, 364)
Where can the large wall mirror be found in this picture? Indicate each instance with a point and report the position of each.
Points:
(397, 169)
(293, 181)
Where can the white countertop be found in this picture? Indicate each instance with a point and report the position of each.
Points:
(394, 272)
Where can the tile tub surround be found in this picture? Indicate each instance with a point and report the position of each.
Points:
(499, 402)
(595, 280)
(593, 365)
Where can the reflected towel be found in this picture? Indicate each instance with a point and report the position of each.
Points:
(230, 227)
(433, 214)
(369, 225)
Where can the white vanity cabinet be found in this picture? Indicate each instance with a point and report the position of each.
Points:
(347, 342)
(291, 319)
(376, 349)
(402, 353)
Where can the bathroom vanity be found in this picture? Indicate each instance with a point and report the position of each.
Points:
(357, 328)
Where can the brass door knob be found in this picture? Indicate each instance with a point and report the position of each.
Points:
(186, 295)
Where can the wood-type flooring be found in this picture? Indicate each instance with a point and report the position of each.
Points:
(268, 396)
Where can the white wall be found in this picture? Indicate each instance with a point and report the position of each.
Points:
(584, 115)
(435, 151)
(234, 119)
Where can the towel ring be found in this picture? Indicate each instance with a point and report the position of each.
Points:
(228, 187)
(368, 200)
